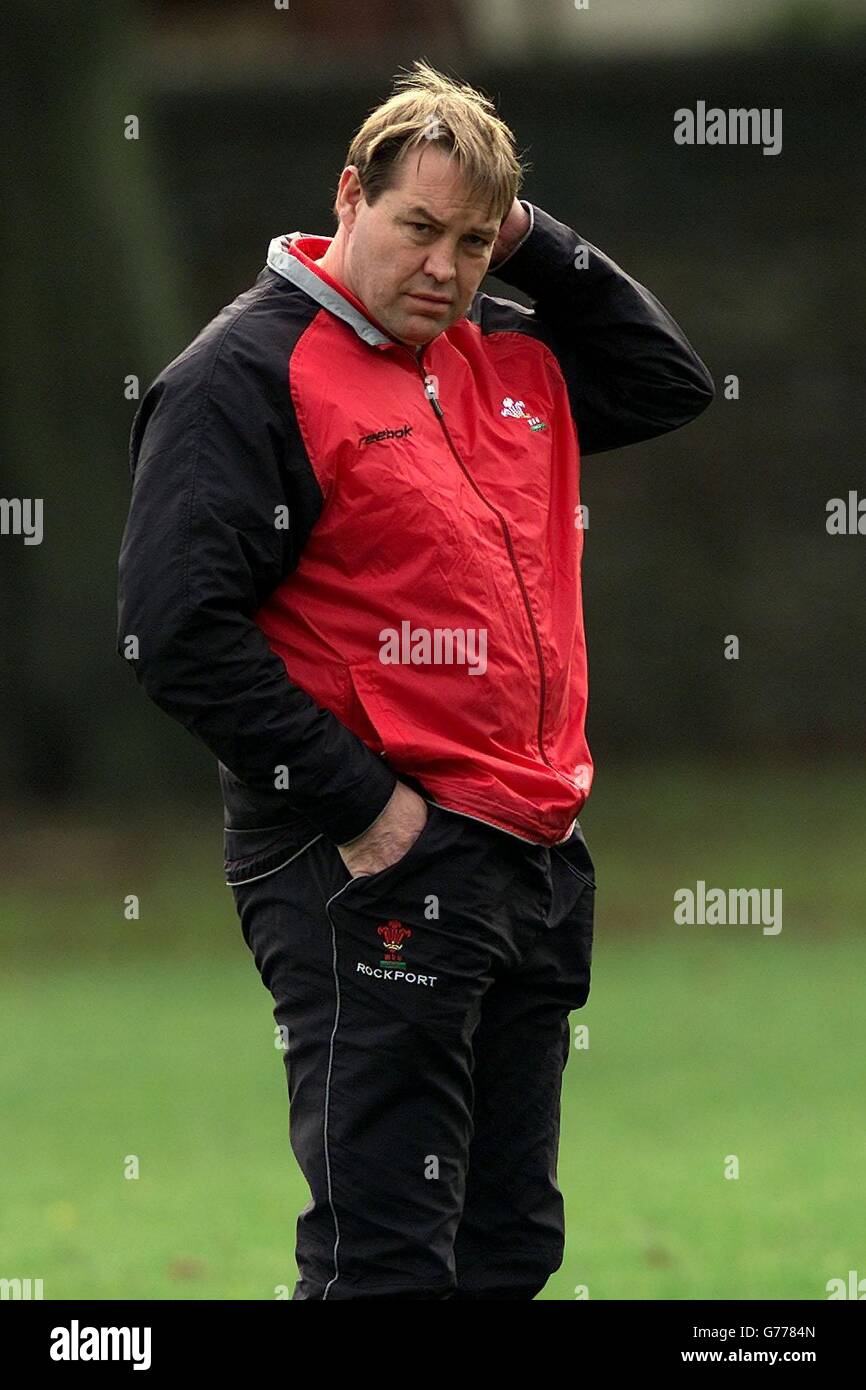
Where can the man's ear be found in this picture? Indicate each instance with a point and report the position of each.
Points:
(349, 195)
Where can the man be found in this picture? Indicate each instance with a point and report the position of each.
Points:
(352, 564)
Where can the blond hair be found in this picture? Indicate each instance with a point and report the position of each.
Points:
(426, 106)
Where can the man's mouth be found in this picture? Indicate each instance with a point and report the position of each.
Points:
(434, 300)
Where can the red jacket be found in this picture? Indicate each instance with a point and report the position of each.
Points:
(429, 598)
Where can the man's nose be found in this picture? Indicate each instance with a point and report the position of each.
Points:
(440, 263)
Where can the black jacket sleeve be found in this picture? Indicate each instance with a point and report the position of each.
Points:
(215, 450)
(631, 372)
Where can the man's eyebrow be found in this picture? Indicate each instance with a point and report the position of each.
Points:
(487, 230)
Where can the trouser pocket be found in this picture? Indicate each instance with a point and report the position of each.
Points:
(252, 854)
(572, 917)
(575, 855)
(372, 884)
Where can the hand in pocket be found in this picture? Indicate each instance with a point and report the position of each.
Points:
(390, 837)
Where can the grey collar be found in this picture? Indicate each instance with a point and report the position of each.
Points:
(293, 269)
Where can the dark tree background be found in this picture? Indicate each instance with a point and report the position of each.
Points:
(117, 251)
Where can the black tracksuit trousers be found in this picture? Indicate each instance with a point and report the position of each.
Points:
(425, 1015)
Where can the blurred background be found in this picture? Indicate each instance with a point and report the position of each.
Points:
(152, 1036)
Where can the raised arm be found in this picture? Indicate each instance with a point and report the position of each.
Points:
(630, 370)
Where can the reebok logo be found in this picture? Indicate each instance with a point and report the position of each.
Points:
(402, 433)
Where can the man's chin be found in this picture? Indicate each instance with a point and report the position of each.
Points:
(414, 336)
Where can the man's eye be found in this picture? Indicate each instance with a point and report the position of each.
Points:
(479, 240)
(420, 226)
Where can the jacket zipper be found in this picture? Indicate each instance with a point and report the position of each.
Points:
(430, 393)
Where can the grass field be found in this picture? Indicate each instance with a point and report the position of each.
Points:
(154, 1038)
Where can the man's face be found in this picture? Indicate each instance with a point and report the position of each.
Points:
(421, 237)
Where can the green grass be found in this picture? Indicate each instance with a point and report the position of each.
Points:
(748, 1047)
(154, 1038)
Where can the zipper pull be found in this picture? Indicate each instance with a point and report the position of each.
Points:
(430, 393)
